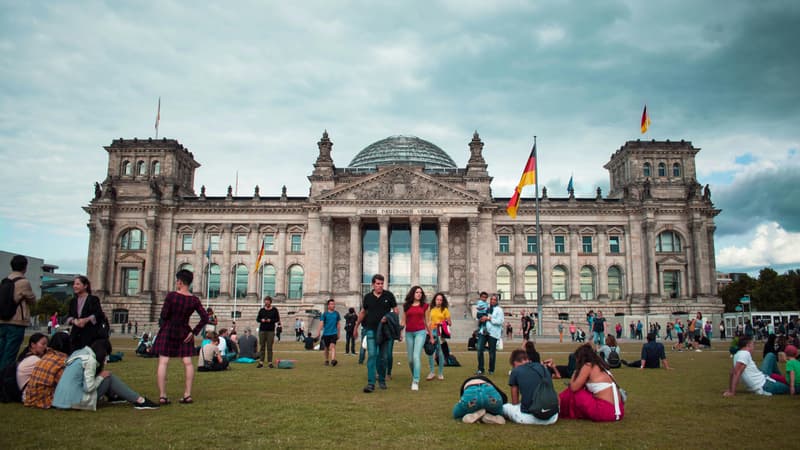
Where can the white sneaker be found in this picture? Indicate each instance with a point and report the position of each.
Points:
(414, 386)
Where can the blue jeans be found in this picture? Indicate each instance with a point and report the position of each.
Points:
(389, 356)
(438, 352)
(480, 396)
(415, 340)
(482, 341)
(376, 358)
(768, 367)
(11, 337)
(598, 339)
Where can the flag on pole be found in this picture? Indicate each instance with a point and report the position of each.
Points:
(258, 260)
(528, 178)
(570, 188)
(158, 114)
(208, 252)
(645, 120)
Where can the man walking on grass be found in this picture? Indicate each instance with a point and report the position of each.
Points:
(330, 328)
(375, 306)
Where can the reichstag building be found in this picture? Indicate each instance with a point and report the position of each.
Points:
(403, 208)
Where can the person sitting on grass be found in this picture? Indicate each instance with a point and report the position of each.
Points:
(760, 381)
(479, 396)
(248, 345)
(227, 348)
(652, 355)
(524, 380)
(792, 369)
(84, 381)
(211, 359)
(309, 341)
(47, 372)
(605, 351)
(592, 392)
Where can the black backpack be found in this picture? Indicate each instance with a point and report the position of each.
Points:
(103, 327)
(8, 307)
(613, 359)
(9, 391)
(544, 403)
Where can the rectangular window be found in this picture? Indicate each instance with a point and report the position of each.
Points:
(269, 243)
(504, 244)
(186, 242)
(560, 247)
(587, 244)
(672, 283)
(130, 281)
(613, 244)
(296, 243)
(214, 242)
(241, 242)
(533, 245)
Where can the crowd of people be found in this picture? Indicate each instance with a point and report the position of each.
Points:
(68, 370)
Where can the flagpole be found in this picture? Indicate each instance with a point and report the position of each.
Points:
(235, 293)
(538, 243)
(208, 273)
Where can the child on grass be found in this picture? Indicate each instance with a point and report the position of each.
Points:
(792, 369)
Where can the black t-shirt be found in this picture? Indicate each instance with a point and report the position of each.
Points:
(350, 322)
(376, 308)
(272, 315)
(652, 354)
(527, 378)
(599, 324)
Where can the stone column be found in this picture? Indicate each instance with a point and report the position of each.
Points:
(652, 270)
(444, 254)
(150, 259)
(546, 271)
(602, 270)
(324, 256)
(472, 257)
(698, 249)
(415, 221)
(200, 247)
(104, 250)
(518, 275)
(355, 255)
(280, 264)
(226, 272)
(574, 270)
(254, 242)
(383, 248)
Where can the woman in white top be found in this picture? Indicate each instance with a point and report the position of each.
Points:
(592, 393)
(37, 345)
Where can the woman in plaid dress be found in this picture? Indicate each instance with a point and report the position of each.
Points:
(175, 338)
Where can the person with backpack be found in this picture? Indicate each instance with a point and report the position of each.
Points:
(85, 315)
(533, 399)
(16, 298)
(610, 352)
(592, 392)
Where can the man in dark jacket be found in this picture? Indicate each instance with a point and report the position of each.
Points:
(375, 306)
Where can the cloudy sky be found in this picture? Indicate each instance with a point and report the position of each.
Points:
(251, 87)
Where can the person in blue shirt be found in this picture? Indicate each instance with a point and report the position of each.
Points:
(329, 328)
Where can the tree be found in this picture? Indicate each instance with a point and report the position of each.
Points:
(734, 291)
(773, 292)
(47, 305)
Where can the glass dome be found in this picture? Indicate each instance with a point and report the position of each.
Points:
(406, 150)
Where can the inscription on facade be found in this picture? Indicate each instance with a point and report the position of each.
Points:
(400, 212)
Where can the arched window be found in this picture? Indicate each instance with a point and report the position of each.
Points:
(156, 168)
(133, 239)
(531, 283)
(676, 170)
(587, 283)
(241, 281)
(127, 168)
(559, 283)
(141, 168)
(504, 282)
(295, 282)
(213, 281)
(668, 241)
(646, 169)
(662, 169)
(614, 283)
(268, 280)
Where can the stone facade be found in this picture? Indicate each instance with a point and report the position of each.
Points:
(645, 248)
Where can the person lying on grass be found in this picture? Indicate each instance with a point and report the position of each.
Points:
(760, 381)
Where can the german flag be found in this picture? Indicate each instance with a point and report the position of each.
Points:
(258, 260)
(528, 178)
(645, 120)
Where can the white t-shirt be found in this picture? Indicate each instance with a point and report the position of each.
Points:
(752, 377)
(223, 345)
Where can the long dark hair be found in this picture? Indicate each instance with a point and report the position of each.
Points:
(444, 301)
(533, 354)
(101, 349)
(586, 354)
(410, 297)
(85, 281)
(35, 337)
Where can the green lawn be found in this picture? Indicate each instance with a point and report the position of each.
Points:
(323, 407)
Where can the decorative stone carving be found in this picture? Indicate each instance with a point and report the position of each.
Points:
(401, 184)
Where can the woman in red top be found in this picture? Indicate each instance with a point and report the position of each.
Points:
(416, 320)
(175, 338)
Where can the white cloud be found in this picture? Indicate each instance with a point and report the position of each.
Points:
(549, 35)
(770, 245)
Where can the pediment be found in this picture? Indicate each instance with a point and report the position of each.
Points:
(671, 260)
(504, 229)
(132, 258)
(559, 230)
(399, 183)
(612, 231)
(587, 231)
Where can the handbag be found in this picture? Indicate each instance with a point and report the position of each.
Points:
(429, 347)
(499, 345)
(444, 330)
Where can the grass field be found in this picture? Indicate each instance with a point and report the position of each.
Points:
(323, 407)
